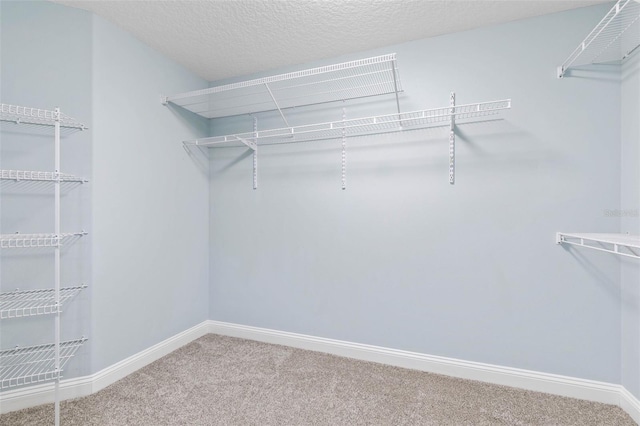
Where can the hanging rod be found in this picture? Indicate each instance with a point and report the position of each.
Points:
(338, 82)
(615, 37)
(360, 126)
(622, 244)
(34, 116)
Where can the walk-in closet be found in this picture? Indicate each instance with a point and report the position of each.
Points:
(357, 212)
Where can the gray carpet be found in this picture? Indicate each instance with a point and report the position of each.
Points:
(219, 380)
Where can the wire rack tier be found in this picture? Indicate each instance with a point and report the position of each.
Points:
(34, 364)
(8, 241)
(621, 244)
(34, 116)
(30, 175)
(360, 126)
(349, 80)
(24, 303)
(615, 37)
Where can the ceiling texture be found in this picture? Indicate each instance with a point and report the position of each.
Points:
(218, 39)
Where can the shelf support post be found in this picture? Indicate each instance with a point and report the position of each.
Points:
(344, 151)
(255, 151)
(452, 139)
(56, 292)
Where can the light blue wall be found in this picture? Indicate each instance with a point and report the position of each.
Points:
(404, 260)
(630, 222)
(45, 52)
(150, 200)
(146, 206)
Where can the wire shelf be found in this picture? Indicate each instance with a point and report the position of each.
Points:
(28, 175)
(41, 117)
(360, 126)
(615, 37)
(34, 364)
(8, 241)
(25, 303)
(621, 244)
(349, 80)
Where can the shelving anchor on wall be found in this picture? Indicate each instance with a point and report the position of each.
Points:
(621, 244)
(615, 38)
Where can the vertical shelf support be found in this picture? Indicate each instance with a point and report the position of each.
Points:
(56, 292)
(452, 140)
(255, 150)
(344, 151)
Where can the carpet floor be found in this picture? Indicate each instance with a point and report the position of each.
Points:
(218, 380)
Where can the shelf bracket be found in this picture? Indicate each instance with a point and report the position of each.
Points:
(248, 143)
(273, 98)
(452, 139)
(395, 85)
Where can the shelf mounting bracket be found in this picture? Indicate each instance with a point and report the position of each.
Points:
(273, 98)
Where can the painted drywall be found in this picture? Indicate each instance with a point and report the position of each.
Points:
(401, 258)
(150, 200)
(45, 56)
(630, 222)
(146, 204)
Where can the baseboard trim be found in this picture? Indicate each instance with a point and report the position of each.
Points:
(31, 396)
(524, 379)
(121, 369)
(630, 404)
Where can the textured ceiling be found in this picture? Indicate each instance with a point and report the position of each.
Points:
(220, 39)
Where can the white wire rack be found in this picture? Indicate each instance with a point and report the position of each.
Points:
(622, 244)
(28, 175)
(24, 303)
(615, 37)
(35, 116)
(8, 241)
(349, 80)
(358, 127)
(34, 364)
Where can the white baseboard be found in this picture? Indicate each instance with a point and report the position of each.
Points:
(591, 390)
(524, 379)
(630, 404)
(18, 399)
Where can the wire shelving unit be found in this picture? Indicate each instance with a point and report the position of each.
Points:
(357, 79)
(40, 117)
(37, 176)
(621, 244)
(338, 82)
(437, 117)
(8, 241)
(35, 364)
(615, 38)
(25, 303)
